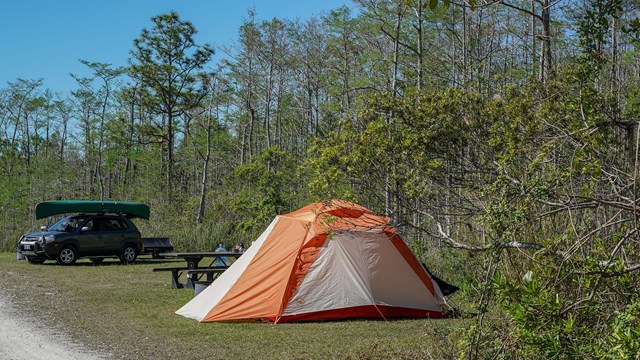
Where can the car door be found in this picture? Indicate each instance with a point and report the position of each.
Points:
(90, 239)
(114, 235)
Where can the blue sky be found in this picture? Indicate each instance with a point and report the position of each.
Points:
(46, 38)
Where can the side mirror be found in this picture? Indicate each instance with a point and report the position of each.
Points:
(43, 228)
(85, 228)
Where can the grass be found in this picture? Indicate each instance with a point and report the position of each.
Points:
(127, 312)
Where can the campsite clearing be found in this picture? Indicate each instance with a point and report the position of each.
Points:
(128, 311)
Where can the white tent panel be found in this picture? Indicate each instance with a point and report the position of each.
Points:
(208, 298)
(356, 268)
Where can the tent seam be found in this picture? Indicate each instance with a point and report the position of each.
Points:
(289, 285)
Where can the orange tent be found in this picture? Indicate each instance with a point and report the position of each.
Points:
(328, 260)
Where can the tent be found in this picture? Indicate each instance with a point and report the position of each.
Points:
(328, 260)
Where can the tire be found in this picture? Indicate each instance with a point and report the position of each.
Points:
(67, 256)
(35, 260)
(96, 261)
(128, 254)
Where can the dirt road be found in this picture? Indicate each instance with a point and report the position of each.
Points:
(22, 338)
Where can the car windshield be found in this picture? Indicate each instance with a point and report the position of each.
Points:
(67, 224)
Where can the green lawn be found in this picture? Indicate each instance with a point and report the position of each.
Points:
(128, 312)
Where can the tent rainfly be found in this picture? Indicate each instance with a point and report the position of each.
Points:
(328, 260)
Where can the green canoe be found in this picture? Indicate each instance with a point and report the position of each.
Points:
(129, 209)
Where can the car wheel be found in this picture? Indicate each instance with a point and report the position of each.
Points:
(128, 254)
(96, 261)
(67, 256)
(35, 260)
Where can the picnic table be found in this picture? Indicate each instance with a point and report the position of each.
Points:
(219, 263)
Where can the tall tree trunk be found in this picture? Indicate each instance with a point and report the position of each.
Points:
(279, 112)
(101, 139)
(205, 171)
(63, 140)
(243, 150)
(420, 44)
(396, 47)
(252, 121)
(169, 155)
(27, 140)
(615, 68)
(533, 36)
(346, 71)
(545, 52)
(129, 143)
(267, 105)
(465, 50)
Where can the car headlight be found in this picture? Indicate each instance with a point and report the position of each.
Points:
(48, 239)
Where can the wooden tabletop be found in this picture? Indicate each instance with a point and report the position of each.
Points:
(202, 253)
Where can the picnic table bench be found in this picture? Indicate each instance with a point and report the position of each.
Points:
(175, 275)
(210, 273)
(193, 269)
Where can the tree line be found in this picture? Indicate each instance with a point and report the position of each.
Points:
(500, 136)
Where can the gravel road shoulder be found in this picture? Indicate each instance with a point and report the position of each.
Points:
(23, 338)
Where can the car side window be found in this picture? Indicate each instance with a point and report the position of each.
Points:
(123, 224)
(113, 224)
(92, 225)
(71, 225)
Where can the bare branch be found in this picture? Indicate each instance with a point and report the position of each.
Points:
(442, 235)
(611, 273)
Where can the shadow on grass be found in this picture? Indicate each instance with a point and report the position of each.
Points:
(113, 262)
